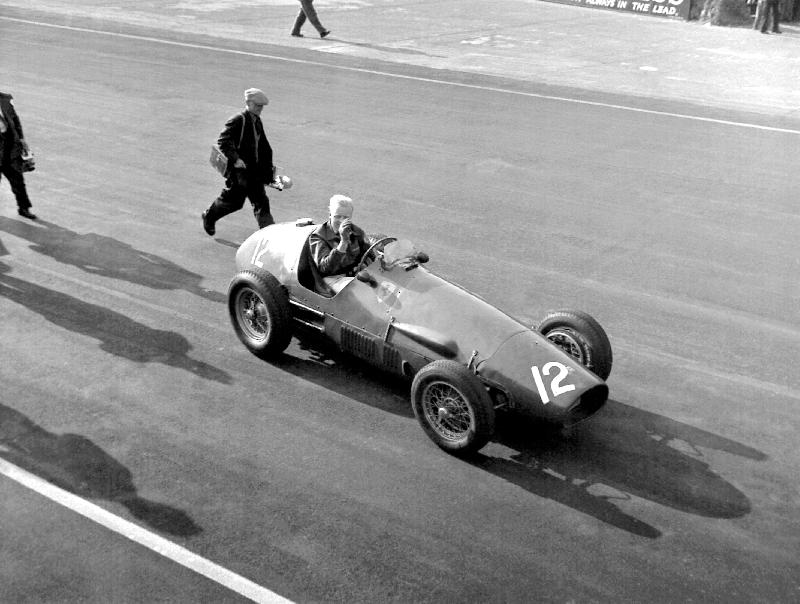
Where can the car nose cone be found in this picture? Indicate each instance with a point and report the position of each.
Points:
(542, 379)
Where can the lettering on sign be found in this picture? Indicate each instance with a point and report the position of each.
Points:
(664, 8)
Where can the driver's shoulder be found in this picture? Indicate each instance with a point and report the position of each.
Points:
(323, 231)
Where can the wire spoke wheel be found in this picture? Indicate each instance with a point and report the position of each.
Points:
(259, 310)
(566, 341)
(453, 407)
(447, 411)
(251, 312)
(580, 336)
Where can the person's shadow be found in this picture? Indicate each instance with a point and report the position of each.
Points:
(117, 334)
(108, 257)
(75, 464)
(621, 452)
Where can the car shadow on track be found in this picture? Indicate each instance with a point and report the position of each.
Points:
(594, 467)
(108, 257)
(323, 365)
(621, 452)
(117, 334)
(75, 464)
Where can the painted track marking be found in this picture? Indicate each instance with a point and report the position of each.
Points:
(387, 74)
(134, 532)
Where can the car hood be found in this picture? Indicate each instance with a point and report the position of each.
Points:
(430, 312)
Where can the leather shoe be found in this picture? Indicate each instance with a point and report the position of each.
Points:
(26, 213)
(325, 33)
(297, 34)
(208, 225)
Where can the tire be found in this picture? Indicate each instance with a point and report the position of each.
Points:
(581, 337)
(453, 407)
(259, 309)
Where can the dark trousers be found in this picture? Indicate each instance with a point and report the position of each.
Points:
(13, 173)
(772, 9)
(307, 10)
(232, 198)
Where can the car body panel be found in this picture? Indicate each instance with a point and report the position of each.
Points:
(401, 317)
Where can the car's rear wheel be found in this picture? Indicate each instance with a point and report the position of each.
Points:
(453, 407)
(259, 309)
(580, 336)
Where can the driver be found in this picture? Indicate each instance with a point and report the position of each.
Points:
(337, 245)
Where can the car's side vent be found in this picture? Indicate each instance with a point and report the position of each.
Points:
(391, 359)
(359, 344)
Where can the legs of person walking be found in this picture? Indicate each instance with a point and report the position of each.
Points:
(771, 14)
(776, 17)
(308, 10)
(230, 199)
(17, 182)
(261, 210)
(299, 22)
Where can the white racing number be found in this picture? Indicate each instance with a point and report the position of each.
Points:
(556, 385)
(260, 250)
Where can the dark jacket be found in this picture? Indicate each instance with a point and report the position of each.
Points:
(11, 139)
(240, 127)
(322, 244)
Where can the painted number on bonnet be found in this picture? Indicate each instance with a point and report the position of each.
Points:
(556, 385)
(260, 250)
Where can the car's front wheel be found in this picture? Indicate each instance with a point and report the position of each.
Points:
(453, 407)
(580, 336)
(259, 309)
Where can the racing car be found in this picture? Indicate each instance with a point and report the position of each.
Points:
(465, 358)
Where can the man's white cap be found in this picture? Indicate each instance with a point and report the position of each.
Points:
(256, 95)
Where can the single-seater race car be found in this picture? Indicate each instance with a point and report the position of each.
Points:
(465, 357)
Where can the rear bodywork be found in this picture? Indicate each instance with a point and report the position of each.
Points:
(402, 317)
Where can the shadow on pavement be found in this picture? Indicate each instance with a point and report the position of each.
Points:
(627, 450)
(107, 257)
(117, 334)
(383, 48)
(621, 452)
(349, 377)
(74, 463)
(227, 242)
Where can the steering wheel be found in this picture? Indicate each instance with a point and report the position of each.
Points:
(362, 262)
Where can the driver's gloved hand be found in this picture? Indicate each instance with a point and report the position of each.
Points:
(346, 229)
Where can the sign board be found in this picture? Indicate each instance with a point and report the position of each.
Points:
(660, 8)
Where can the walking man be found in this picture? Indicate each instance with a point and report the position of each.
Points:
(12, 149)
(307, 10)
(244, 143)
(772, 11)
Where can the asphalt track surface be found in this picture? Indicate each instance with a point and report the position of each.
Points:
(124, 384)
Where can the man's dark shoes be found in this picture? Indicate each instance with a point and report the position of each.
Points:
(208, 225)
(26, 213)
(325, 33)
(297, 34)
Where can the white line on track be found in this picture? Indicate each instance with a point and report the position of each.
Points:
(387, 74)
(176, 553)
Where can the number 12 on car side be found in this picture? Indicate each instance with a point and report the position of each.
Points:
(556, 386)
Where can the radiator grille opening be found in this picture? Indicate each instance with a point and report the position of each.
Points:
(590, 403)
